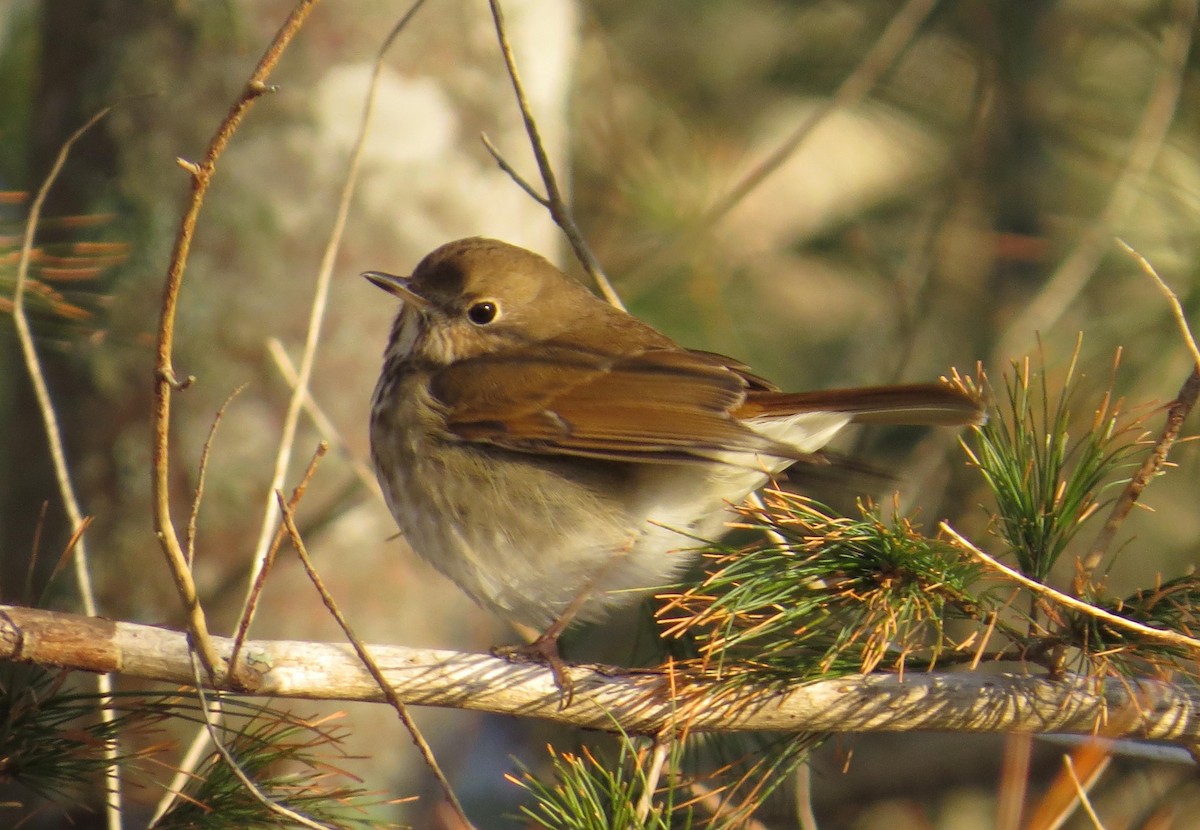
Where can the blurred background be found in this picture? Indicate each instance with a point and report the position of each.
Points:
(947, 183)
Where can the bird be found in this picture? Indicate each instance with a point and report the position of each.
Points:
(556, 457)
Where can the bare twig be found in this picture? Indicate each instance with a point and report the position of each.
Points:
(236, 678)
(58, 456)
(322, 422)
(1159, 635)
(805, 816)
(520, 180)
(198, 495)
(1014, 781)
(231, 762)
(1177, 412)
(165, 379)
(659, 751)
(1176, 307)
(1081, 792)
(1080, 264)
(368, 661)
(316, 318)
(35, 551)
(37, 378)
(260, 579)
(553, 200)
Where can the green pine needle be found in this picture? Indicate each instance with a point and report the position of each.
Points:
(587, 792)
(52, 739)
(1045, 483)
(839, 595)
(291, 762)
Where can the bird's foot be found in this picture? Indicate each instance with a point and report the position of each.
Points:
(542, 650)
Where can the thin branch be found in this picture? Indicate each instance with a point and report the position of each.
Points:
(184, 772)
(659, 751)
(1081, 792)
(165, 379)
(194, 753)
(1177, 412)
(231, 762)
(37, 377)
(320, 420)
(1176, 307)
(201, 472)
(504, 165)
(58, 456)
(637, 702)
(1014, 781)
(806, 817)
(316, 318)
(553, 200)
(1074, 272)
(1173, 638)
(368, 661)
(260, 579)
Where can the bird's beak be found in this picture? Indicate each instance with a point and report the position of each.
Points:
(397, 287)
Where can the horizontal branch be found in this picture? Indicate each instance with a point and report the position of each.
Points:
(639, 701)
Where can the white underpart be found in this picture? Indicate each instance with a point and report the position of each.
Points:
(807, 431)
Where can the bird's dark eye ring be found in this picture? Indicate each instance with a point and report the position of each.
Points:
(482, 313)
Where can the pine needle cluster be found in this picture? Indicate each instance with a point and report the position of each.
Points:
(52, 742)
(291, 761)
(820, 595)
(52, 737)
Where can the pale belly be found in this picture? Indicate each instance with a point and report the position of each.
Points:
(533, 534)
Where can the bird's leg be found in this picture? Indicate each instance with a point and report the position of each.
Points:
(545, 647)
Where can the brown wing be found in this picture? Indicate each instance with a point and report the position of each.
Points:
(653, 405)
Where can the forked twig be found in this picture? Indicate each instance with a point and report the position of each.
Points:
(504, 165)
(1177, 412)
(369, 662)
(1160, 635)
(553, 201)
(165, 379)
(58, 455)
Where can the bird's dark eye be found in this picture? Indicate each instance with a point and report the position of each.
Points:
(482, 313)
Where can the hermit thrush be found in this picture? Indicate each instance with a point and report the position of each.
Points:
(550, 453)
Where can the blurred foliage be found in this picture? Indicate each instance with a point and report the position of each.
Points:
(63, 277)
